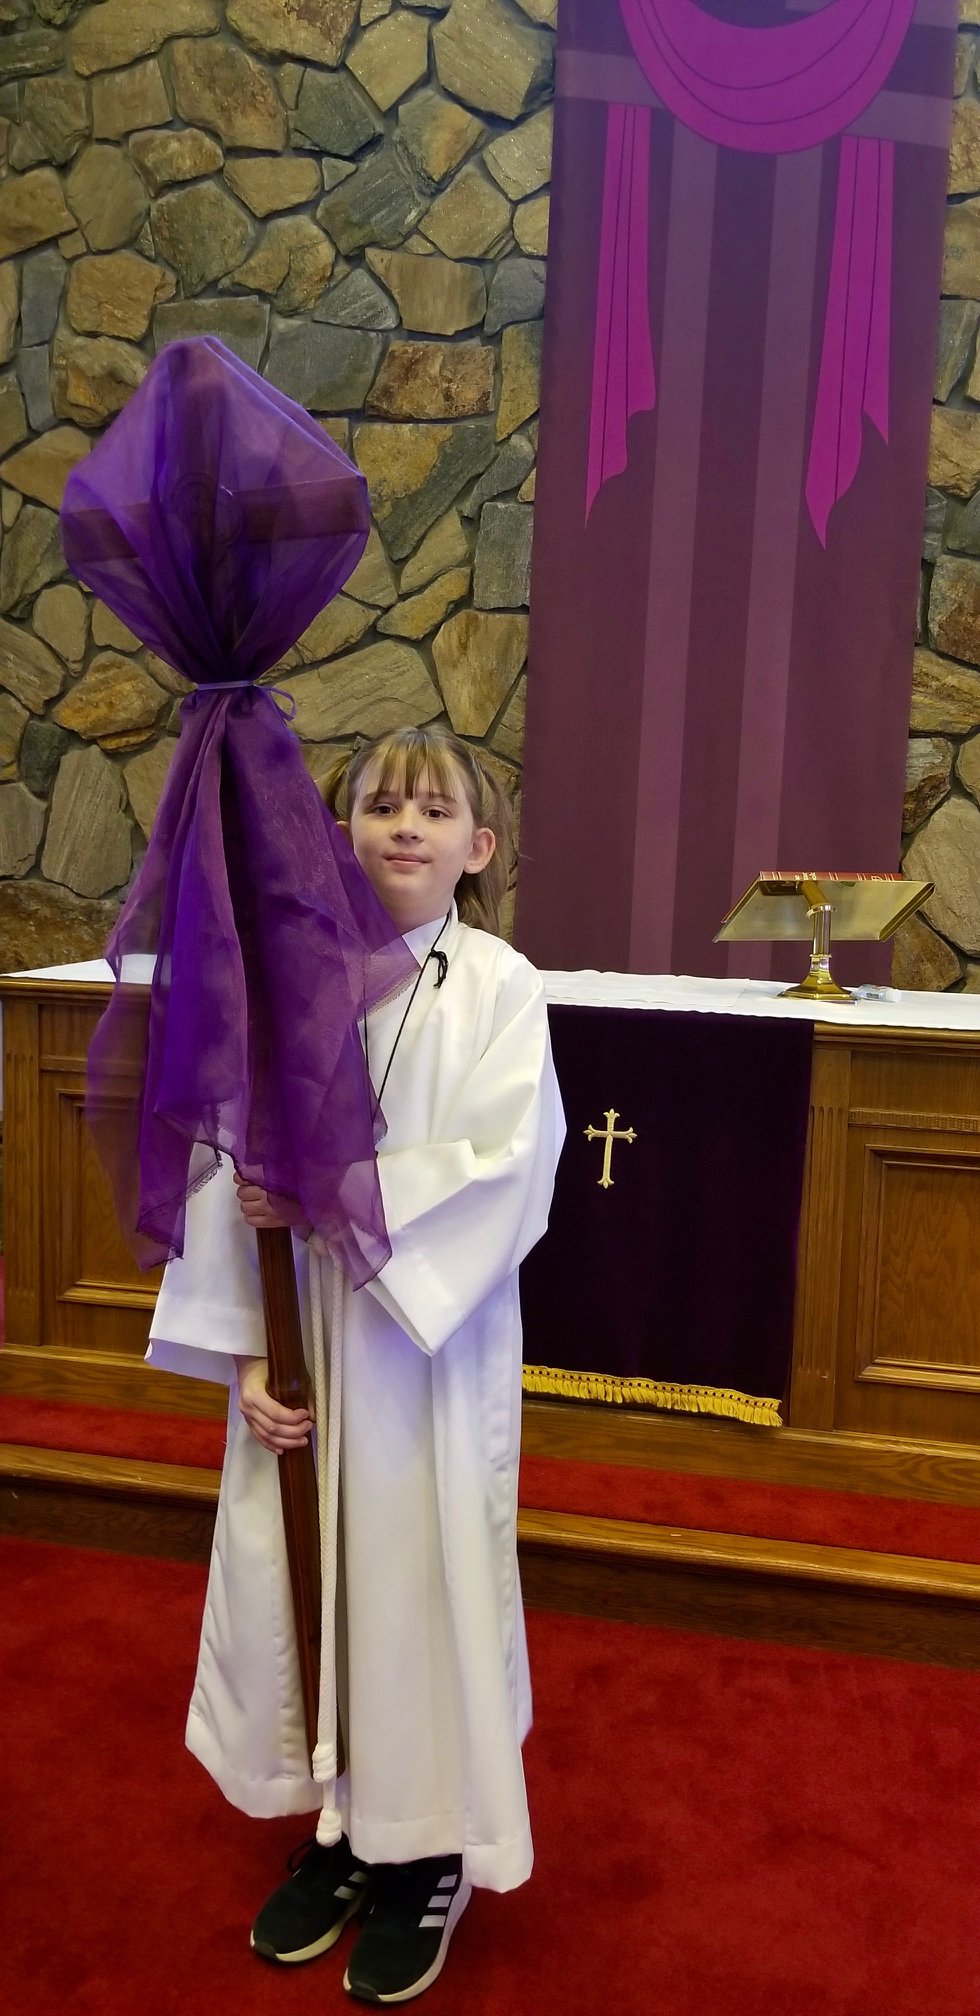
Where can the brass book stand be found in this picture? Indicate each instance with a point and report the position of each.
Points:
(781, 907)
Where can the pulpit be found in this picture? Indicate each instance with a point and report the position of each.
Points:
(885, 1311)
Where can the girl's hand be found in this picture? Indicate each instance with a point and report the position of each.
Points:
(268, 1213)
(278, 1428)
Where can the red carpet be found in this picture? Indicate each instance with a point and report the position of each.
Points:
(610, 1491)
(112, 1431)
(722, 1829)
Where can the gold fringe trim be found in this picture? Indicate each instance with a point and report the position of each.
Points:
(608, 1386)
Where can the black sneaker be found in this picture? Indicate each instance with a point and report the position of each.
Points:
(403, 1942)
(307, 1915)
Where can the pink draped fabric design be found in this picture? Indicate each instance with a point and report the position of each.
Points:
(623, 380)
(767, 90)
(760, 90)
(853, 377)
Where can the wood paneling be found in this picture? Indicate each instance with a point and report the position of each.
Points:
(908, 1344)
(72, 1284)
(93, 1294)
(918, 1314)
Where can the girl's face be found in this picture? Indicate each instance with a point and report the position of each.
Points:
(414, 850)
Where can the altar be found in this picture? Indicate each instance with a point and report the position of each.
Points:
(883, 1350)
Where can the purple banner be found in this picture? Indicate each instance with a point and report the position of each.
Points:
(746, 240)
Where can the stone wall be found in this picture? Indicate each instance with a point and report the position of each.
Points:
(940, 948)
(353, 194)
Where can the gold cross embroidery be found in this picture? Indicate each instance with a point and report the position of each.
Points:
(608, 1135)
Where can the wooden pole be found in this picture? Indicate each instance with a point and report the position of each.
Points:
(289, 1385)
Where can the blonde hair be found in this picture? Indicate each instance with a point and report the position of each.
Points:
(439, 759)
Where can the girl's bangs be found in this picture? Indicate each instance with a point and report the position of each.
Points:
(410, 762)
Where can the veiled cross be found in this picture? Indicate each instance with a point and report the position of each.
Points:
(609, 1134)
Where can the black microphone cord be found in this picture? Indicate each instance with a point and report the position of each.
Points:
(442, 968)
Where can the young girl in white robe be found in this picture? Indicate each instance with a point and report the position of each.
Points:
(424, 1652)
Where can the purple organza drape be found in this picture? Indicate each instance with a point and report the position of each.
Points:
(216, 518)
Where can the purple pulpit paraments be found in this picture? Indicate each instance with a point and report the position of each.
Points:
(667, 1275)
(735, 415)
(216, 518)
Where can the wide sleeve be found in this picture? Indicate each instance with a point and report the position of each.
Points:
(210, 1303)
(462, 1212)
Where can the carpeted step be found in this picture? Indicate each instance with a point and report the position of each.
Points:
(797, 1593)
(657, 1497)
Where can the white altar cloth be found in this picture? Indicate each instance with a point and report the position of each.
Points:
(679, 992)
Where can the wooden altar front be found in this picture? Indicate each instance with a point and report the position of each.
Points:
(886, 1357)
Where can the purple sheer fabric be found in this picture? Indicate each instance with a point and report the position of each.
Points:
(216, 518)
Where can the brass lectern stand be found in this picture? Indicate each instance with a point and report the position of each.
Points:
(781, 907)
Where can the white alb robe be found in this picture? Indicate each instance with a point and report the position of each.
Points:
(425, 1404)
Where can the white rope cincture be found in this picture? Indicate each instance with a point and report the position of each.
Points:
(327, 1402)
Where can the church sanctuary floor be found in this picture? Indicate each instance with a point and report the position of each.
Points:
(624, 1516)
(718, 1826)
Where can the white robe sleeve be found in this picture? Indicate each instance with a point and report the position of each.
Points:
(462, 1213)
(209, 1308)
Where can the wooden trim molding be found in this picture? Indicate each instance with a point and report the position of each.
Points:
(22, 1150)
(811, 1402)
(915, 1123)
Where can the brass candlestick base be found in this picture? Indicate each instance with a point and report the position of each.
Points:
(819, 984)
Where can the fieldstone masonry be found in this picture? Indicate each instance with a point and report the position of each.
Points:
(349, 193)
(940, 947)
(353, 194)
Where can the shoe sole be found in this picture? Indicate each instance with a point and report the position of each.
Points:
(318, 1946)
(454, 1914)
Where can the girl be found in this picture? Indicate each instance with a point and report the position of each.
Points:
(424, 1654)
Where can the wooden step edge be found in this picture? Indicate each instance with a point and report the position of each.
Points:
(112, 1475)
(941, 1473)
(798, 1560)
(104, 1379)
(567, 1533)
